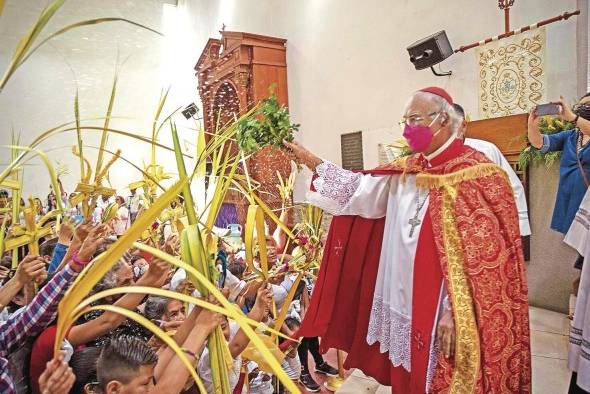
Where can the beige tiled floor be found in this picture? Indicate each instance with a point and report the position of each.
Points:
(549, 332)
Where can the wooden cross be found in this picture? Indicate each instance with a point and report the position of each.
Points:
(32, 231)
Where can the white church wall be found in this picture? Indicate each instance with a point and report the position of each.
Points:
(349, 70)
(41, 93)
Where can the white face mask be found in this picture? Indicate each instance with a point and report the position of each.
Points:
(139, 271)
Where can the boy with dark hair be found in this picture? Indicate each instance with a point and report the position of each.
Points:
(125, 366)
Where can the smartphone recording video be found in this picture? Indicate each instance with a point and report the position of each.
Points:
(547, 109)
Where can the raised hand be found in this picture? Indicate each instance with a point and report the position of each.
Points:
(157, 274)
(302, 155)
(92, 241)
(172, 245)
(82, 230)
(207, 319)
(31, 269)
(566, 112)
(534, 119)
(66, 232)
(57, 378)
(263, 302)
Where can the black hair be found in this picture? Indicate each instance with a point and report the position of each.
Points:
(83, 364)
(300, 287)
(121, 359)
(6, 262)
(134, 258)
(47, 247)
(237, 269)
(292, 322)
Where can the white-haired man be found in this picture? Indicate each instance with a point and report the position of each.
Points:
(423, 280)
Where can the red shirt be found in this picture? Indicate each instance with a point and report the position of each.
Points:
(41, 354)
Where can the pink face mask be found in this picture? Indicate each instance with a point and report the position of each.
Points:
(419, 137)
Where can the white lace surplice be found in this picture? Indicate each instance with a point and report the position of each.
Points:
(343, 192)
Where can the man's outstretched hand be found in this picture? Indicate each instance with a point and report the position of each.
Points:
(302, 155)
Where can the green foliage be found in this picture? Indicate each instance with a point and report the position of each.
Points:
(270, 124)
(547, 125)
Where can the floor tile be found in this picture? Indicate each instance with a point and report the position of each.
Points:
(549, 339)
(550, 376)
(355, 384)
(548, 321)
(383, 390)
(549, 345)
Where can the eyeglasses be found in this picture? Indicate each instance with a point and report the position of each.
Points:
(414, 120)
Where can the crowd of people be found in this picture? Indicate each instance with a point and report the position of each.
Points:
(104, 352)
(455, 209)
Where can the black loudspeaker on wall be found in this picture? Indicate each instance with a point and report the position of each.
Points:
(429, 51)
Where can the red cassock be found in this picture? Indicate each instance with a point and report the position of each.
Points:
(469, 239)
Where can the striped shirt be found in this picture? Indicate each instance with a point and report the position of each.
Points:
(31, 321)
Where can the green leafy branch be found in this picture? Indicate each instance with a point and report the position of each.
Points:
(270, 124)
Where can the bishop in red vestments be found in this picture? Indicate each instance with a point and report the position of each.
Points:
(423, 280)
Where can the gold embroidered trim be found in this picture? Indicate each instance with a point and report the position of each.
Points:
(467, 348)
(430, 181)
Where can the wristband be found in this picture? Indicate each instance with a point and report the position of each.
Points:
(190, 353)
(77, 261)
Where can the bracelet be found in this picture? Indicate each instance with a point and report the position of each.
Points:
(190, 353)
(77, 261)
(576, 119)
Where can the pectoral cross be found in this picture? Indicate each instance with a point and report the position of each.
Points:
(414, 222)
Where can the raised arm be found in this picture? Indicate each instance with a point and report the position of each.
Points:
(64, 240)
(568, 115)
(261, 308)
(534, 133)
(27, 271)
(343, 192)
(83, 333)
(43, 309)
(173, 374)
